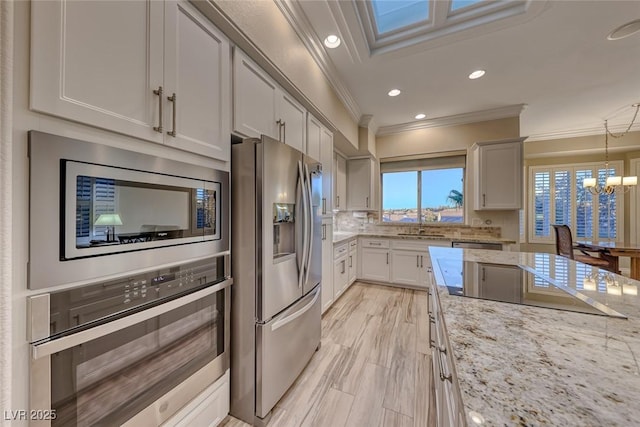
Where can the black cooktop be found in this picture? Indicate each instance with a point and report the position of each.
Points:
(515, 284)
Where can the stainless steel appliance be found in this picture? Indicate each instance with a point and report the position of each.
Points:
(99, 211)
(133, 350)
(276, 264)
(477, 245)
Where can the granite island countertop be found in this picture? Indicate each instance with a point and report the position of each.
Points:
(341, 236)
(519, 365)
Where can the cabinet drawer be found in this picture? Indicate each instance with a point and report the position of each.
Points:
(340, 251)
(375, 243)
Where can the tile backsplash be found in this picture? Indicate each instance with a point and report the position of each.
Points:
(368, 222)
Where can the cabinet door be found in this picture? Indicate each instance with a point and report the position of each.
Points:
(405, 268)
(326, 157)
(340, 200)
(359, 182)
(340, 276)
(254, 99)
(98, 63)
(314, 129)
(327, 266)
(293, 122)
(197, 78)
(499, 176)
(375, 264)
(353, 262)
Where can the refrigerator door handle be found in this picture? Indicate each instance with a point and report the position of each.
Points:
(309, 223)
(280, 323)
(305, 241)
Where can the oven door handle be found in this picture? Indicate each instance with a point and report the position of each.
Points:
(47, 348)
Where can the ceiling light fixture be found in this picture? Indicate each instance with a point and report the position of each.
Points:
(626, 30)
(394, 92)
(612, 183)
(476, 74)
(420, 116)
(332, 41)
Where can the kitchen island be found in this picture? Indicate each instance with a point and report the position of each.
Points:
(520, 365)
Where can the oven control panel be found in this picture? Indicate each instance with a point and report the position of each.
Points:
(79, 306)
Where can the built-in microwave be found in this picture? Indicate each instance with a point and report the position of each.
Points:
(98, 211)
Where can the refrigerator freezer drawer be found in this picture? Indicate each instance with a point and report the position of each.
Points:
(284, 347)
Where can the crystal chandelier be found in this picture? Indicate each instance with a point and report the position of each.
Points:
(612, 183)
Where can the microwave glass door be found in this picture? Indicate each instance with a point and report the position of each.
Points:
(112, 210)
(108, 380)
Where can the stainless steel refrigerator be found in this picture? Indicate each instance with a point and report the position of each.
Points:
(276, 194)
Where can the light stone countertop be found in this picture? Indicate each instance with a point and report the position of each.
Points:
(341, 236)
(528, 366)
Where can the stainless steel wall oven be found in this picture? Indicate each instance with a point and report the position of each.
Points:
(99, 211)
(130, 351)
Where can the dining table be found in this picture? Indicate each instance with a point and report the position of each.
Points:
(614, 249)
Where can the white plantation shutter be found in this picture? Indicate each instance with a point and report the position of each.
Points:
(557, 197)
(542, 203)
(104, 193)
(584, 206)
(562, 194)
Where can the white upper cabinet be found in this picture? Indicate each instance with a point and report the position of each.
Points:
(361, 176)
(86, 68)
(255, 96)
(292, 122)
(326, 157)
(197, 76)
(498, 175)
(314, 134)
(261, 107)
(340, 191)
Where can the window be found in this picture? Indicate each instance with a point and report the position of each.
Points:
(461, 4)
(394, 14)
(557, 197)
(424, 190)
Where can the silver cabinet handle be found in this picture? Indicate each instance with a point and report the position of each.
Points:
(159, 92)
(173, 99)
(344, 266)
(432, 324)
(421, 261)
(483, 274)
(366, 201)
(324, 206)
(279, 123)
(387, 258)
(443, 377)
(484, 200)
(350, 261)
(284, 132)
(337, 201)
(417, 261)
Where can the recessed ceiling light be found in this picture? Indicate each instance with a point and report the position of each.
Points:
(626, 30)
(420, 116)
(476, 74)
(332, 41)
(394, 92)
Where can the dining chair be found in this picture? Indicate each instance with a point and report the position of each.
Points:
(564, 247)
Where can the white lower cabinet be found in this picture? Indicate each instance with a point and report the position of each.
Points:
(407, 268)
(375, 262)
(353, 260)
(206, 410)
(340, 269)
(327, 266)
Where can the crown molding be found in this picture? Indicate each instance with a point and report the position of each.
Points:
(303, 28)
(368, 121)
(458, 119)
(576, 133)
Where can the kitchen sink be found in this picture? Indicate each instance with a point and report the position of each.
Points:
(420, 235)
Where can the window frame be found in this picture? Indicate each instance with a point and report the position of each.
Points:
(419, 197)
(617, 165)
